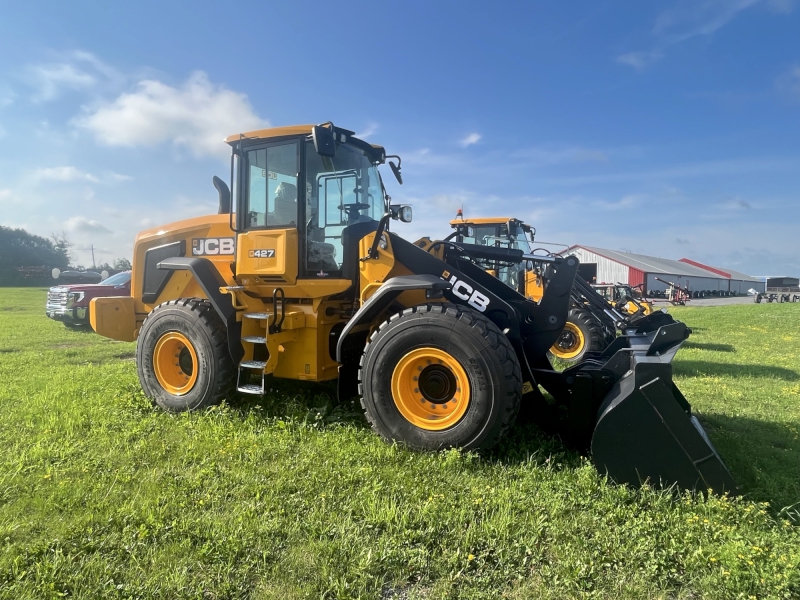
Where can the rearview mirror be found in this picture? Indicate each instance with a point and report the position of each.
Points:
(324, 142)
(396, 171)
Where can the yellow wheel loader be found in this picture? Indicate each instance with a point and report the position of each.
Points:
(300, 277)
(585, 331)
(623, 297)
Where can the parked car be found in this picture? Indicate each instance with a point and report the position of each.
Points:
(70, 303)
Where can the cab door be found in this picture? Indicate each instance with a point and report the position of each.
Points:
(268, 240)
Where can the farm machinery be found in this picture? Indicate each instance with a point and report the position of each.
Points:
(591, 324)
(626, 298)
(779, 289)
(300, 276)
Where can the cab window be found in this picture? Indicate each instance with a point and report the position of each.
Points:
(340, 192)
(272, 186)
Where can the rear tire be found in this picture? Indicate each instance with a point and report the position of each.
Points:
(182, 356)
(582, 333)
(440, 376)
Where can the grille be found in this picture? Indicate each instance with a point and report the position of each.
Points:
(57, 298)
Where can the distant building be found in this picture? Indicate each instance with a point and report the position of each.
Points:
(612, 266)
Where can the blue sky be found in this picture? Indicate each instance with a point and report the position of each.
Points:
(667, 128)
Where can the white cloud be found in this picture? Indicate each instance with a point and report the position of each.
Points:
(626, 202)
(52, 79)
(6, 195)
(691, 18)
(639, 60)
(371, 129)
(120, 177)
(472, 138)
(195, 116)
(735, 204)
(77, 70)
(84, 225)
(63, 174)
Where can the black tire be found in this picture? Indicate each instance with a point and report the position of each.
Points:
(570, 348)
(757, 298)
(474, 344)
(211, 368)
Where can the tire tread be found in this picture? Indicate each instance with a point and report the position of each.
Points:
(498, 344)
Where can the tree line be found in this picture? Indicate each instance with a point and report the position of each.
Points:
(28, 259)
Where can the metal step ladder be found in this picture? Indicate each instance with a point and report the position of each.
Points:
(248, 369)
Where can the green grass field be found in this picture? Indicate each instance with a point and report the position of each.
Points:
(292, 496)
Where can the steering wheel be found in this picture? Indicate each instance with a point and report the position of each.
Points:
(356, 206)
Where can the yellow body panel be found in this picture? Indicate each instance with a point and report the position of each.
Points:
(181, 284)
(481, 221)
(533, 286)
(268, 255)
(276, 132)
(377, 270)
(114, 317)
(272, 132)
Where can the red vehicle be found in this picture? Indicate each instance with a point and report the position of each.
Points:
(70, 303)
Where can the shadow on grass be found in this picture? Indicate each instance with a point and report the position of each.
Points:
(305, 401)
(701, 368)
(712, 347)
(763, 456)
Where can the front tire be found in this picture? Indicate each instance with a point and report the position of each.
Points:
(440, 376)
(582, 333)
(182, 356)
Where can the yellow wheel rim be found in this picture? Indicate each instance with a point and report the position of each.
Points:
(175, 363)
(570, 344)
(430, 389)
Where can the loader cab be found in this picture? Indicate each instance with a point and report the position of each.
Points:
(499, 232)
(297, 210)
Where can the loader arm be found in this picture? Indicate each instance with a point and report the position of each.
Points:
(622, 403)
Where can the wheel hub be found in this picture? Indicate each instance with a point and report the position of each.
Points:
(430, 388)
(175, 363)
(437, 383)
(570, 343)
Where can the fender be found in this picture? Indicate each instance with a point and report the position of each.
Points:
(209, 279)
(381, 300)
(351, 343)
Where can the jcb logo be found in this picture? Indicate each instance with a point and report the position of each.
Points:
(212, 246)
(465, 291)
(261, 253)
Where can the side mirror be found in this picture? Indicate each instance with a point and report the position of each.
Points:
(324, 141)
(396, 171)
(401, 212)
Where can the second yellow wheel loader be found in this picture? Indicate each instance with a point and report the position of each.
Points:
(587, 330)
(299, 277)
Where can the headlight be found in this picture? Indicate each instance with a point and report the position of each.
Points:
(75, 297)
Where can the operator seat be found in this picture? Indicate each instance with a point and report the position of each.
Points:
(285, 205)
